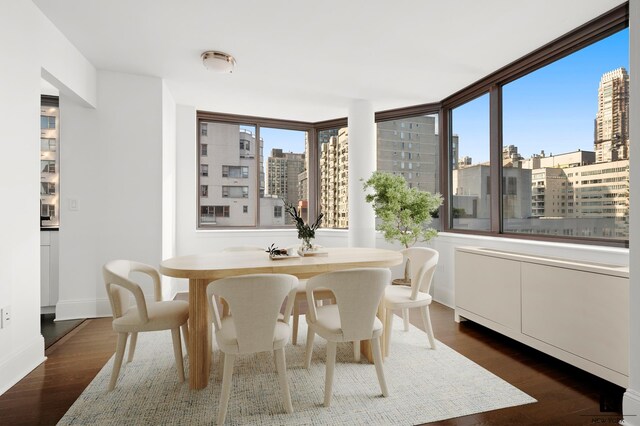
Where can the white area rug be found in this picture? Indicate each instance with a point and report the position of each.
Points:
(425, 385)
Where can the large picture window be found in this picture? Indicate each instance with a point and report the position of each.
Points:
(550, 136)
(573, 158)
(257, 169)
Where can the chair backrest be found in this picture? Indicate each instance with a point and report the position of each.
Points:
(119, 285)
(243, 248)
(358, 293)
(254, 301)
(423, 262)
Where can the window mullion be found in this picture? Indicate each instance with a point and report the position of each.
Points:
(495, 155)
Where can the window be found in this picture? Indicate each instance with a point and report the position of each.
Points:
(236, 172)
(425, 141)
(277, 211)
(48, 210)
(48, 166)
(203, 149)
(555, 95)
(470, 178)
(204, 170)
(270, 161)
(204, 190)
(47, 122)
(47, 188)
(558, 121)
(211, 214)
(203, 129)
(48, 145)
(235, 191)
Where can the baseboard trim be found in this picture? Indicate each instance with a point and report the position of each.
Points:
(631, 408)
(85, 308)
(21, 363)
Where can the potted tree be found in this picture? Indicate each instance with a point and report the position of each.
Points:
(404, 213)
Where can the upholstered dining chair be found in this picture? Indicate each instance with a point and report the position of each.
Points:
(301, 297)
(423, 262)
(358, 293)
(144, 315)
(255, 302)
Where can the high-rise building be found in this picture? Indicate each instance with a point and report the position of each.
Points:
(334, 180)
(410, 147)
(611, 140)
(282, 176)
(49, 165)
(231, 181)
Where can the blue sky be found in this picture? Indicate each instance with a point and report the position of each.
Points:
(552, 109)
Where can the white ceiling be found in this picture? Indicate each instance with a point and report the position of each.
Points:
(306, 60)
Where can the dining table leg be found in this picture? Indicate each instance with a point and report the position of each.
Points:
(365, 345)
(199, 334)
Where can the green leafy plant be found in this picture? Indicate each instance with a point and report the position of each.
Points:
(404, 212)
(305, 232)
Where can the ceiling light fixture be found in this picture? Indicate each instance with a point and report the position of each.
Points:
(219, 62)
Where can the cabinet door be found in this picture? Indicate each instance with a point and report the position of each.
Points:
(490, 287)
(584, 313)
(44, 275)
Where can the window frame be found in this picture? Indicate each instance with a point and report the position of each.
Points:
(257, 123)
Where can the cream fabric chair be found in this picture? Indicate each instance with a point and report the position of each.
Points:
(423, 262)
(301, 297)
(358, 293)
(144, 315)
(255, 301)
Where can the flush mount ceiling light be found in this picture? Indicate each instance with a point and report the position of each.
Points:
(219, 62)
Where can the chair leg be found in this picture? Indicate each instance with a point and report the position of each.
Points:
(132, 346)
(185, 335)
(229, 359)
(388, 326)
(330, 366)
(405, 318)
(377, 360)
(356, 350)
(296, 320)
(117, 362)
(309, 350)
(177, 352)
(221, 365)
(281, 365)
(426, 318)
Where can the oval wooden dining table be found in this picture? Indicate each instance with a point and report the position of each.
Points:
(201, 269)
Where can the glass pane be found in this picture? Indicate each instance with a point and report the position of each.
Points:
(227, 198)
(410, 147)
(566, 140)
(285, 175)
(334, 177)
(470, 180)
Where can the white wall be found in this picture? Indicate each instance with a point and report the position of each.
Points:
(30, 45)
(112, 164)
(168, 183)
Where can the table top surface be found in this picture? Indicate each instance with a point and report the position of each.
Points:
(225, 264)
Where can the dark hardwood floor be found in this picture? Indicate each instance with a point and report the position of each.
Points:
(566, 395)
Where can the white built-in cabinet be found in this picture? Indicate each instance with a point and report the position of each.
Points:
(48, 270)
(575, 311)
